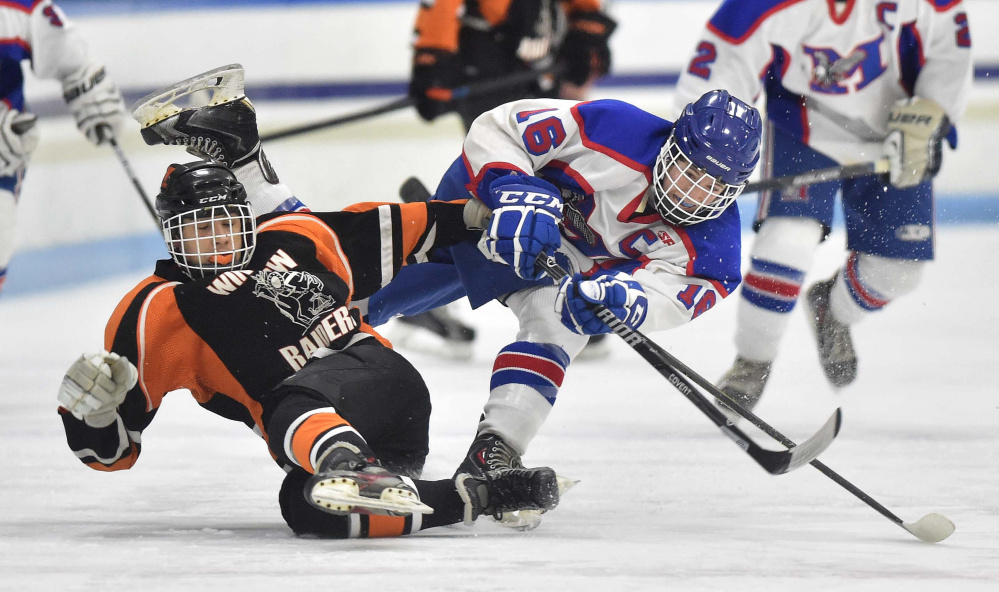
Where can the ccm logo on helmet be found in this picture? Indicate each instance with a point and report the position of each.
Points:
(212, 198)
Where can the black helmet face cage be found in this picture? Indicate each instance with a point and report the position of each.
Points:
(686, 194)
(212, 240)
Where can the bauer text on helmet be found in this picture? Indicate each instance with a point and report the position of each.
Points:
(709, 156)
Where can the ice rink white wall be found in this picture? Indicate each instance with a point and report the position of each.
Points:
(76, 194)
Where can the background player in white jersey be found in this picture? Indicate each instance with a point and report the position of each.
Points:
(845, 81)
(647, 231)
(38, 31)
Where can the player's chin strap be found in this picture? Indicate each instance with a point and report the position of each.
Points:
(931, 528)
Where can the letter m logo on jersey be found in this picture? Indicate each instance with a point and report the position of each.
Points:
(831, 72)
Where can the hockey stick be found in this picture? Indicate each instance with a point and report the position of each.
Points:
(839, 173)
(776, 462)
(471, 90)
(131, 175)
(931, 528)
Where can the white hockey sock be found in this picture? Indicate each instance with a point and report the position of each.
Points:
(781, 255)
(868, 283)
(264, 196)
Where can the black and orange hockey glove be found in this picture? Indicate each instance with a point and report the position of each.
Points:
(584, 52)
(435, 74)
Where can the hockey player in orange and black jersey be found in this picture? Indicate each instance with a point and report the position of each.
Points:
(459, 42)
(255, 318)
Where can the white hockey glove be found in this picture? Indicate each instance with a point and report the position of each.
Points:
(622, 295)
(914, 145)
(95, 385)
(526, 214)
(95, 102)
(18, 139)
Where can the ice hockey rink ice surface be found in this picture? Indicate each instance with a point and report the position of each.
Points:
(665, 501)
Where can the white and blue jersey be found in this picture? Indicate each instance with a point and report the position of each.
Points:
(601, 155)
(36, 30)
(832, 71)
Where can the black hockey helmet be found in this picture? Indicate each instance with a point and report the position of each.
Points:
(208, 224)
(197, 185)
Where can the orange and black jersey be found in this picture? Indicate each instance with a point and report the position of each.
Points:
(232, 338)
(439, 22)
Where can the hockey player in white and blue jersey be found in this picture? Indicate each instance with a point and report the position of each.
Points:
(647, 230)
(37, 31)
(845, 81)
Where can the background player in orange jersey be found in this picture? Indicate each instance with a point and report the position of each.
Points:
(254, 316)
(462, 42)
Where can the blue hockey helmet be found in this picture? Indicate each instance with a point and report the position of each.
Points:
(709, 156)
(207, 223)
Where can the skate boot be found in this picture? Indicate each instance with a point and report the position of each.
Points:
(744, 383)
(495, 493)
(453, 338)
(224, 130)
(346, 482)
(489, 452)
(836, 353)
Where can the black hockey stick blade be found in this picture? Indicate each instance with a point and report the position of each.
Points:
(790, 182)
(773, 461)
(807, 451)
(778, 462)
(413, 190)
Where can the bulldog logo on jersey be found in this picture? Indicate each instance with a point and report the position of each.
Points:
(298, 295)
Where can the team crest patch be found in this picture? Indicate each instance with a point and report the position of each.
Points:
(298, 295)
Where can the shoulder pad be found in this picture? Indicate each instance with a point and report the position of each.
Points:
(736, 20)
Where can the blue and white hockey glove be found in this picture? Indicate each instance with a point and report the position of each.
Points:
(622, 295)
(525, 223)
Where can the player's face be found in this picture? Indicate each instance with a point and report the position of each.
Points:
(689, 186)
(211, 240)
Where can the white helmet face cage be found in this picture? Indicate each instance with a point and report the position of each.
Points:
(686, 194)
(212, 240)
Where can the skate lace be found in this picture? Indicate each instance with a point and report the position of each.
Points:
(205, 145)
(500, 456)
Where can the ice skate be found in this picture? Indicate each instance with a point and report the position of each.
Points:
(489, 452)
(836, 353)
(346, 483)
(495, 493)
(744, 383)
(221, 127)
(435, 331)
